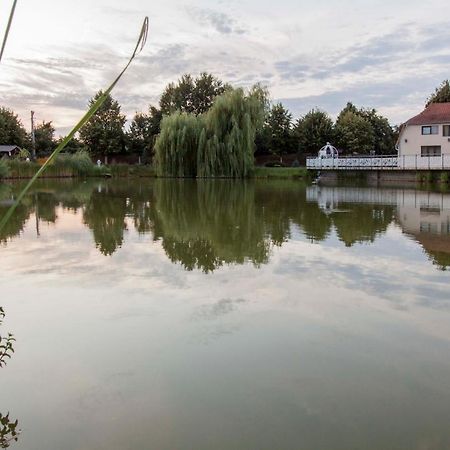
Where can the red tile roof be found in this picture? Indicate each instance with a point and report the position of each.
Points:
(435, 113)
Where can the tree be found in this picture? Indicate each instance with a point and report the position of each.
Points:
(143, 131)
(278, 129)
(364, 131)
(44, 138)
(191, 95)
(220, 143)
(313, 131)
(73, 146)
(103, 133)
(384, 134)
(12, 131)
(441, 94)
(354, 133)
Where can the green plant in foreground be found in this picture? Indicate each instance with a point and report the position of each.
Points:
(8, 431)
(90, 113)
(8, 27)
(8, 428)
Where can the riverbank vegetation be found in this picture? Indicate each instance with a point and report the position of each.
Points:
(189, 104)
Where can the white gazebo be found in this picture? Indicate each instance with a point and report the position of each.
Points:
(328, 151)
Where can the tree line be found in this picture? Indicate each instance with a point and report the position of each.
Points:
(356, 130)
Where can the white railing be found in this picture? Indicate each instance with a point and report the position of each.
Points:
(405, 162)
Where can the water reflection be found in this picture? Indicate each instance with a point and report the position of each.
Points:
(207, 224)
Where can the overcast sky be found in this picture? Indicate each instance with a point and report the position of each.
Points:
(389, 55)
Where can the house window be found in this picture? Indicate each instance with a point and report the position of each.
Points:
(446, 130)
(431, 150)
(430, 129)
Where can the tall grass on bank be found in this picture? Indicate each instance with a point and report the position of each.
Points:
(92, 110)
(64, 166)
(4, 169)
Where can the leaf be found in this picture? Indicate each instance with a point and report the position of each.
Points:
(8, 26)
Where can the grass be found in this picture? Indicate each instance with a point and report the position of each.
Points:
(64, 166)
(126, 170)
(280, 172)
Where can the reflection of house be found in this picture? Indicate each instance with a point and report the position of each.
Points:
(425, 216)
(427, 134)
(9, 150)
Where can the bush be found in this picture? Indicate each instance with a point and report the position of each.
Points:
(4, 169)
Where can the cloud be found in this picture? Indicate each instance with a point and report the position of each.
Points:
(219, 21)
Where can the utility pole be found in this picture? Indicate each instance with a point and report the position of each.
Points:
(33, 139)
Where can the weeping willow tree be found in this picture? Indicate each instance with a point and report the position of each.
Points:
(220, 143)
(177, 144)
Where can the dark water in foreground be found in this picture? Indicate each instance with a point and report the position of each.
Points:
(226, 315)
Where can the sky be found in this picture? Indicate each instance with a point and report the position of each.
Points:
(388, 55)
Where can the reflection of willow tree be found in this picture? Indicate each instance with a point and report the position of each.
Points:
(204, 224)
(8, 428)
(362, 223)
(105, 214)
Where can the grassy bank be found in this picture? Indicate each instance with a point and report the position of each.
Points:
(71, 166)
(281, 172)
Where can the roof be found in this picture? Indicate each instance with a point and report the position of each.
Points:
(8, 148)
(433, 114)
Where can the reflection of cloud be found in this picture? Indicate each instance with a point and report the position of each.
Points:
(216, 310)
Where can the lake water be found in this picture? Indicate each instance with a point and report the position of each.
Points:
(179, 315)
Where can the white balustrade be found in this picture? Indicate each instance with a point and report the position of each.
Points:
(405, 162)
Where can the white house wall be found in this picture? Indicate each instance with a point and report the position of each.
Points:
(412, 140)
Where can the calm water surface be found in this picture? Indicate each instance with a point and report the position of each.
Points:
(226, 315)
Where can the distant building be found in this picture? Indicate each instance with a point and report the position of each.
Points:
(9, 150)
(427, 134)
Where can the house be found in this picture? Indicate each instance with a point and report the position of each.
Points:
(427, 134)
(9, 150)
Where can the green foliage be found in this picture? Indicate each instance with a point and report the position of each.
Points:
(9, 432)
(23, 154)
(73, 146)
(45, 138)
(103, 134)
(12, 131)
(313, 131)
(191, 95)
(142, 133)
(177, 145)
(441, 94)
(384, 135)
(6, 344)
(4, 169)
(354, 133)
(227, 142)
(364, 131)
(278, 130)
(219, 143)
